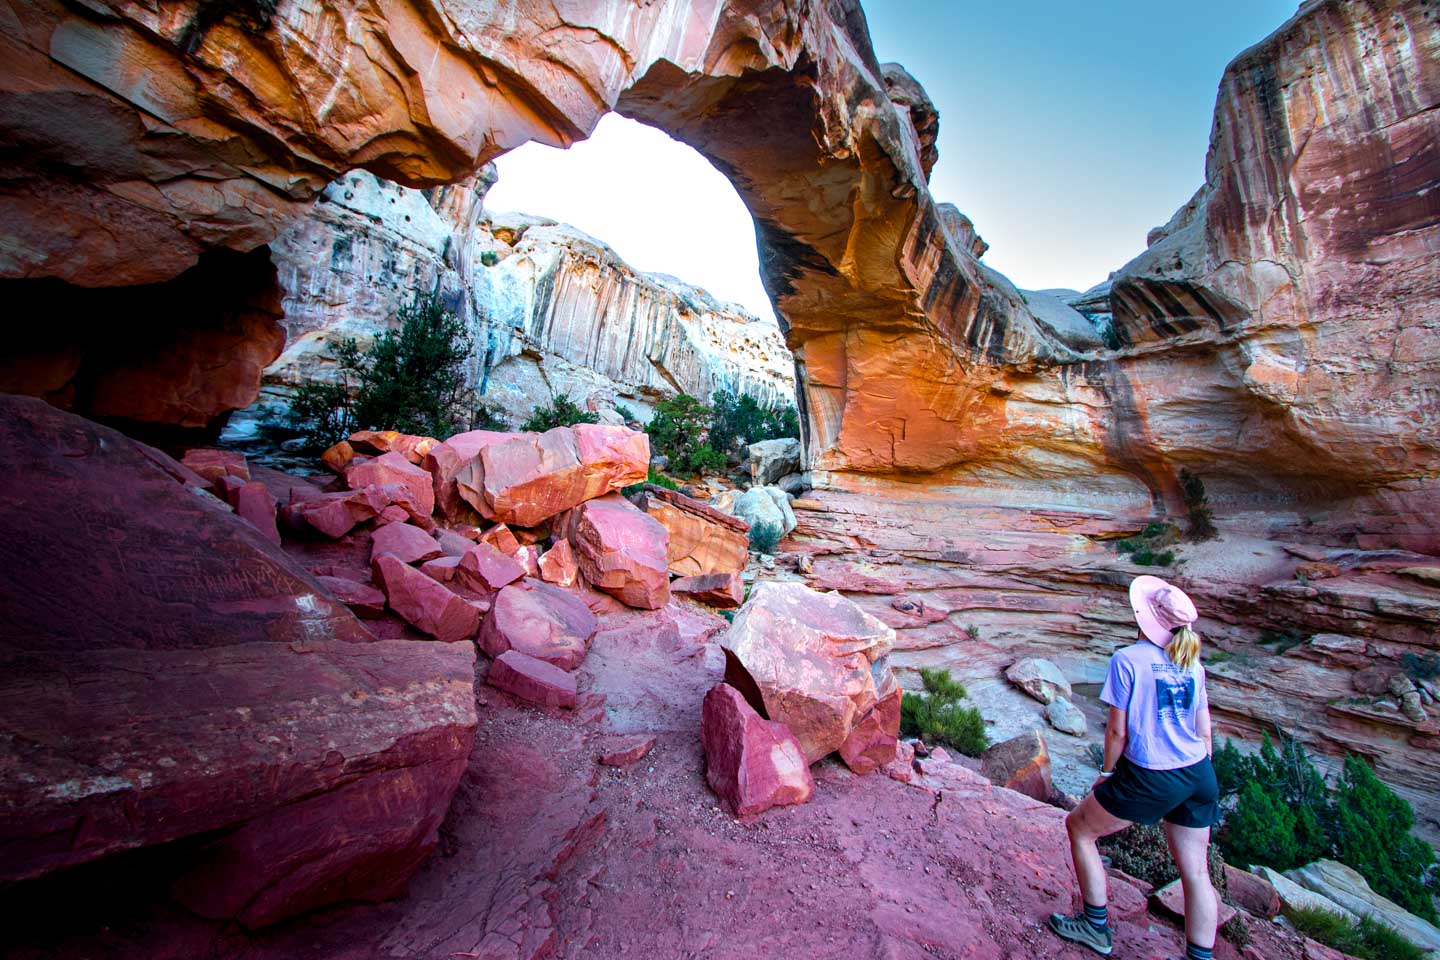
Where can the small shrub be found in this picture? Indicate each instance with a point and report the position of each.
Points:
(1142, 852)
(1372, 836)
(936, 716)
(626, 413)
(561, 412)
(653, 476)
(742, 419)
(1235, 931)
(765, 537)
(489, 258)
(411, 379)
(1154, 531)
(706, 459)
(973, 632)
(1231, 768)
(1144, 557)
(1368, 940)
(678, 430)
(1202, 520)
(1096, 755)
(488, 416)
(1282, 641)
(729, 615)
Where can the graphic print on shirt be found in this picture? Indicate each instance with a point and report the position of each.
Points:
(1174, 692)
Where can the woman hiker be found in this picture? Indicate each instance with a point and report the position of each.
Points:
(1157, 767)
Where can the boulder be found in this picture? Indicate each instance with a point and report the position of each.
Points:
(401, 540)
(1039, 678)
(336, 514)
(529, 558)
(180, 677)
(530, 477)
(901, 768)
(541, 621)
(815, 661)
(1170, 900)
(1251, 893)
(1346, 887)
(1295, 897)
(391, 514)
(625, 753)
(501, 538)
(1065, 717)
(772, 459)
(486, 569)
(337, 456)
(441, 569)
(444, 462)
(766, 505)
(256, 504)
(723, 590)
(212, 464)
(752, 763)
(1373, 681)
(364, 600)
(426, 605)
(1021, 763)
(557, 565)
(533, 680)
(703, 540)
(620, 550)
(872, 740)
(410, 447)
(394, 468)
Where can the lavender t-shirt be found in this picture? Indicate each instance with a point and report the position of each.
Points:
(1163, 702)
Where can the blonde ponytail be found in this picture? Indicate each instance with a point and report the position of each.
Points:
(1184, 648)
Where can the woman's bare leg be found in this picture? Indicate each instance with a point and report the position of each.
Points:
(1190, 846)
(1086, 824)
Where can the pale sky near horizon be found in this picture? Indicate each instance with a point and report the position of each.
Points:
(1067, 131)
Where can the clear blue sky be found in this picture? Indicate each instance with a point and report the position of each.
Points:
(1067, 131)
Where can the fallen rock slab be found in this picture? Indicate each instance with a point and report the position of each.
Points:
(703, 540)
(532, 680)
(394, 468)
(206, 685)
(1346, 887)
(406, 543)
(816, 661)
(873, 739)
(256, 505)
(1295, 897)
(212, 464)
(364, 600)
(772, 459)
(624, 754)
(1251, 893)
(620, 550)
(486, 569)
(1021, 763)
(1169, 900)
(425, 604)
(752, 763)
(723, 590)
(558, 566)
(541, 621)
(1039, 678)
(446, 460)
(1065, 717)
(529, 478)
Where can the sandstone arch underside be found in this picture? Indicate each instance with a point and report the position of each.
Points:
(1252, 346)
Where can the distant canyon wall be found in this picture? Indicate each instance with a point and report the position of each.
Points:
(551, 311)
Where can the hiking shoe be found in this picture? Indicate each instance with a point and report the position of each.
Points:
(1077, 929)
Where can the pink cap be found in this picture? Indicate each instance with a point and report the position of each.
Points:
(1160, 607)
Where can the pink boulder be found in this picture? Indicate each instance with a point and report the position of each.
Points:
(752, 763)
(392, 514)
(1255, 895)
(531, 477)
(409, 544)
(624, 754)
(394, 468)
(1022, 764)
(533, 680)
(557, 565)
(364, 600)
(336, 514)
(541, 621)
(1170, 900)
(213, 464)
(486, 569)
(409, 446)
(816, 661)
(872, 740)
(501, 538)
(443, 569)
(529, 558)
(205, 689)
(723, 590)
(255, 503)
(621, 551)
(338, 456)
(444, 463)
(426, 605)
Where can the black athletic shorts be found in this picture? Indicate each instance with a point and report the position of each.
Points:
(1187, 797)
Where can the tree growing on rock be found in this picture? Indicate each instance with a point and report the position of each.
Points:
(936, 716)
(1372, 835)
(411, 379)
(734, 419)
(562, 412)
(679, 432)
(1202, 520)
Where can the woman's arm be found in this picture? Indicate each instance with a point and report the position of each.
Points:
(1202, 727)
(1116, 733)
